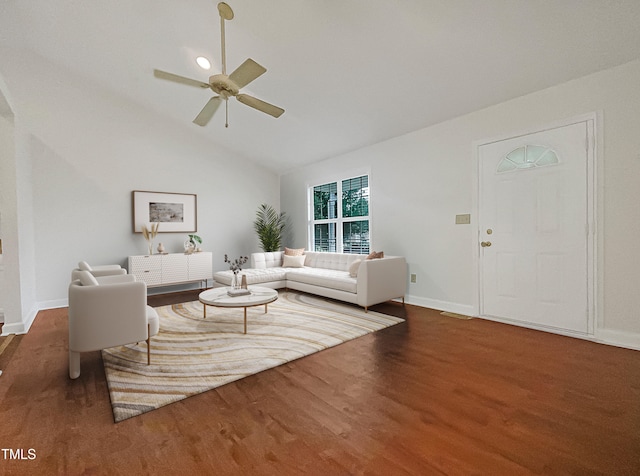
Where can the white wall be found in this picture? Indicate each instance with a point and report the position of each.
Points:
(420, 181)
(18, 287)
(85, 150)
(7, 202)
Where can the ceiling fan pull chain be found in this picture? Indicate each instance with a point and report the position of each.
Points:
(226, 120)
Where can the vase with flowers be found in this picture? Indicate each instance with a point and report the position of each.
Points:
(149, 234)
(235, 265)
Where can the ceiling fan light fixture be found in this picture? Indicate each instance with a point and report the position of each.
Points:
(225, 86)
(203, 62)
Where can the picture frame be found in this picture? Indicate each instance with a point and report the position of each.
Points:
(175, 212)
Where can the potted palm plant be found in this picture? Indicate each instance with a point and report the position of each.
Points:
(269, 225)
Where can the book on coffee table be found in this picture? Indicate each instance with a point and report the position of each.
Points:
(238, 292)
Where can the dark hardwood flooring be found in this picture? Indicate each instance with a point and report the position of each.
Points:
(8, 346)
(433, 395)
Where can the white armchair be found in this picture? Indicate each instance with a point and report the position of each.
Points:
(106, 312)
(97, 271)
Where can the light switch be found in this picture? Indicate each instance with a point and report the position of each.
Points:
(463, 219)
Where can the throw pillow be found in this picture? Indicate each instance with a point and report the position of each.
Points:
(292, 261)
(376, 255)
(87, 279)
(354, 267)
(293, 251)
(84, 266)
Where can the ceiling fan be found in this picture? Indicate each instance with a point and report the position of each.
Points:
(226, 86)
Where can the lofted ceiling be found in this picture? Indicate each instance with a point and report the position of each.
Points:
(349, 73)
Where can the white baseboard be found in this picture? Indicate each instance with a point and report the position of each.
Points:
(53, 304)
(21, 327)
(15, 328)
(466, 310)
(628, 340)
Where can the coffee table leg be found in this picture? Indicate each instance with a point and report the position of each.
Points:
(204, 308)
(265, 308)
(245, 320)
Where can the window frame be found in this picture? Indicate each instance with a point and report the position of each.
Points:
(340, 220)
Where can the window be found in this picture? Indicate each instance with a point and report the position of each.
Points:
(527, 157)
(340, 216)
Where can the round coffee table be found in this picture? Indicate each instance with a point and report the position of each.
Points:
(218, 297)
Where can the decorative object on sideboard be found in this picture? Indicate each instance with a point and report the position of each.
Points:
(269, 225)
(196, 241)
(236, 266)
(176, 211)
(161, 248)
(149, 234)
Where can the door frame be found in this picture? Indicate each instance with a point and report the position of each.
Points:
(592, 230)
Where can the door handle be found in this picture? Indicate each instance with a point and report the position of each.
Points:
(485, 244)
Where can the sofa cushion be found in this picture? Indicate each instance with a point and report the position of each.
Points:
(153, 321)
(327, 278)
(87, 279)
(337, 261)
(353, 268)
(272, 259)
(293, 251)
(292, 261)
(84, 266)
(254, 276)
(376, 255)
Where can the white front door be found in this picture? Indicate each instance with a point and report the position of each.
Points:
(533, 228)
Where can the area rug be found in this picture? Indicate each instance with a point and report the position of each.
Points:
(191, 355)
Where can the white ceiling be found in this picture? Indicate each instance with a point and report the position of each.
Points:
(349, 73)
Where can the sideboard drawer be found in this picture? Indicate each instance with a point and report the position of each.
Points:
(146, 268)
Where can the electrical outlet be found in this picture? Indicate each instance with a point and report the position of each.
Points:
(414, 278)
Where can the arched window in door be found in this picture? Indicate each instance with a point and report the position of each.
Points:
(527, 157)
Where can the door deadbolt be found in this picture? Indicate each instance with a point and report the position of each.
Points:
(489, 231)
(485, 244)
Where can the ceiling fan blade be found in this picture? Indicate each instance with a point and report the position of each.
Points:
(208, 111)
(246, 72)
(262, 106)
(179, 79)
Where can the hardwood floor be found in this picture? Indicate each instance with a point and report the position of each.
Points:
(8, 346)
(433, 395)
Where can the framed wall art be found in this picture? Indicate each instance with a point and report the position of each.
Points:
(175, 212)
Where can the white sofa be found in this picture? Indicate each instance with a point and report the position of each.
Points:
(327, 274)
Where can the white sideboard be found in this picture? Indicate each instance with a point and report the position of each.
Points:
(172, 268)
